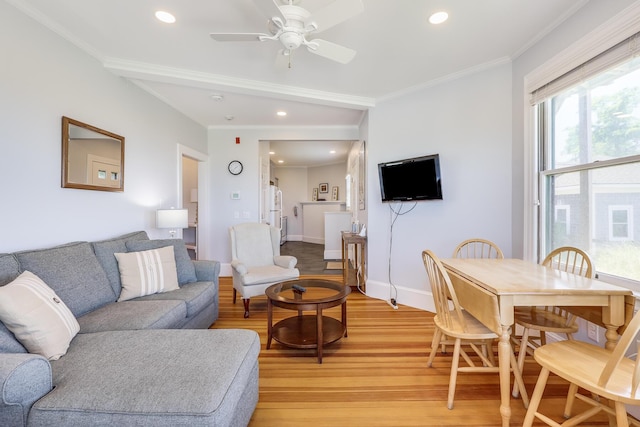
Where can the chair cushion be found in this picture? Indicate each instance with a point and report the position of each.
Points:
(254, 247)
(147, 272)
(186, 269)
(269, 273)
(37, 317)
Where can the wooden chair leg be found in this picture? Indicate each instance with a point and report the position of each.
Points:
(522, 353)
(246, 307)
(536, 397)
(235, 293)
(454, 373)
(434, 347)
(571, 397)
(621, 415)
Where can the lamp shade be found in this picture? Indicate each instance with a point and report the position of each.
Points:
(172, 218)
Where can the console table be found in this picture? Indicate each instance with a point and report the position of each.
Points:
(359, 255)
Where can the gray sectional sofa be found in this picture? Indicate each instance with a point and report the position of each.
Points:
(146, 361)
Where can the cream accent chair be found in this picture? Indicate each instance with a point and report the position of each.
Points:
(256, 262)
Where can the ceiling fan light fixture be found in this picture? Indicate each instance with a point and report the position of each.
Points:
(438, 17)
(166, 17)
(290, 40)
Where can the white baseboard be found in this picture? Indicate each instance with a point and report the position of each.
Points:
(333, 254)
(415, 298)
(316, 240)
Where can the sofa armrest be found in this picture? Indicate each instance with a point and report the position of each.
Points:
(239, 267)
(207, 270)
(285, 261)
(24, 378)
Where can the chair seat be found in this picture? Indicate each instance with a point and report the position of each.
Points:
(543, 320)
(268, 274)
(475, 329)
(582, 363)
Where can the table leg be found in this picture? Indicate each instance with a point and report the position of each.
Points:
(269, 323)
(344, 263)
(504, 361)
(319, 336)
(344, 317)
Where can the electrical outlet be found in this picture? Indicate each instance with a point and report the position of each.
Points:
(592, 331)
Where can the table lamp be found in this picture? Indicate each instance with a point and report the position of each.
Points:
(172, 219)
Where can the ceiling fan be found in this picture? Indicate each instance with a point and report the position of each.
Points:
(290, 24)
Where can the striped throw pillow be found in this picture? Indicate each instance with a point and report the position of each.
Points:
(147, 272)
(37, 316)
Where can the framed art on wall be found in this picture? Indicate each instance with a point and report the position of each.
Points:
(334, 193)
(324, 187)
(314, 194)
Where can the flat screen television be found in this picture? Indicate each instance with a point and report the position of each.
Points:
(412, 179)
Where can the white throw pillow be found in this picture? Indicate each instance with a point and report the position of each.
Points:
(37, 316)
(147, 272)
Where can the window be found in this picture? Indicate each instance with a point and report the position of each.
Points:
(588, 133)
(620, 223)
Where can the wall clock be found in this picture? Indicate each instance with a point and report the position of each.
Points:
(235, 167)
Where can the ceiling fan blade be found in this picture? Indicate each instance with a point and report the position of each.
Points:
(269, 8)
(331, 51)
(334, 13)
(237, 37)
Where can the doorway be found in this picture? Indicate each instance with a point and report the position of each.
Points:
(192, 192)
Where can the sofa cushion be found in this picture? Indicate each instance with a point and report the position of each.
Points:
(147, 272)
(186, 270)
(104, 250)
(37, 317)
(198, 380)
(9, 268)
(135, 314)
(73, 272)
(197, 296)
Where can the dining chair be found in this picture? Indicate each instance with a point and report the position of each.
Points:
(603, 373)
(550, 319)
(477, 248)
(458, 327)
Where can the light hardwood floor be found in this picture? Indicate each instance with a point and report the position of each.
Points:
(377, 376)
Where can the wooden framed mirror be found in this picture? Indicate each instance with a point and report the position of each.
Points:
(92, 158)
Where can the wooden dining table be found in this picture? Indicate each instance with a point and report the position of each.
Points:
(520, 283)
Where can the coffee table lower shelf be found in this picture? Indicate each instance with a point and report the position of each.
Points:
(301, 331)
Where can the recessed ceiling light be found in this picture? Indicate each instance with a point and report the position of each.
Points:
(281, 113)
(229, 117)
(280, 161)
(272, 153)
(217, 97)
(438, 17)
(332, 152)
(165, 17)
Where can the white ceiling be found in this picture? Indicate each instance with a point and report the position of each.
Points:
(397, 51)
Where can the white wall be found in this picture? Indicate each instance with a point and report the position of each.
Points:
(42, 78)
(468, 122)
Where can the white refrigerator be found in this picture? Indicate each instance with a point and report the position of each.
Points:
(274, 203)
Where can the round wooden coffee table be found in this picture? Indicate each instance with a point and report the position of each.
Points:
(307, 331)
